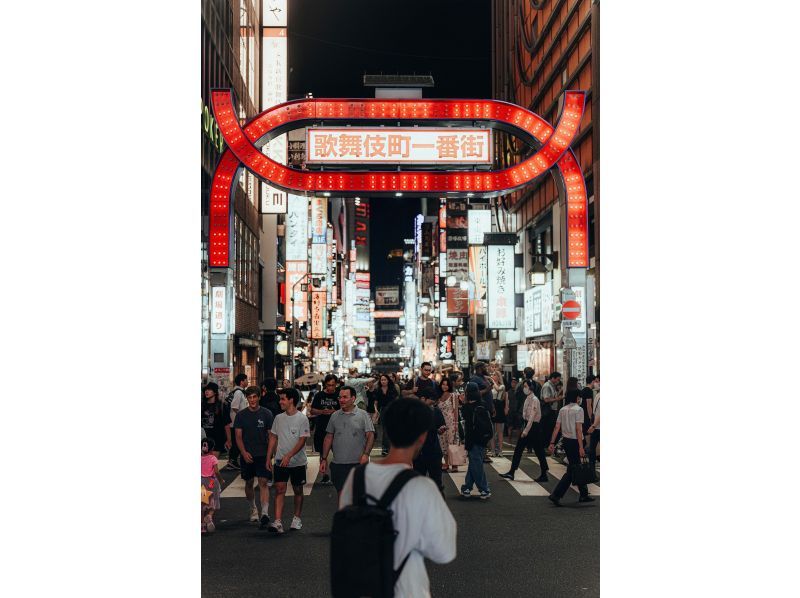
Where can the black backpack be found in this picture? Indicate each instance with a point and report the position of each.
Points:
(226, 407)
(481, 425)
(362, 542)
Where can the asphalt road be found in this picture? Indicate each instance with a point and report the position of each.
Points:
(511, 544)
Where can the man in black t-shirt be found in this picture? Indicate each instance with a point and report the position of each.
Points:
(424, 380)
(251, 429)
(269, 398)
(325, 403)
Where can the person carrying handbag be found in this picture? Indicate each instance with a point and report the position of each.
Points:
(570, 423)
(448, 405)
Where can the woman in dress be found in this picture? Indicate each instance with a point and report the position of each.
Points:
(448, 405)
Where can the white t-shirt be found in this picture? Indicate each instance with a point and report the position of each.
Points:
(238, 402)
(425, 527)
(290, 429)
(569, 416)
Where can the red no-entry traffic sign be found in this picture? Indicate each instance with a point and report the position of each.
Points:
(571, 310)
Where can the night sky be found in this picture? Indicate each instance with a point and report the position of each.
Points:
(333, 43)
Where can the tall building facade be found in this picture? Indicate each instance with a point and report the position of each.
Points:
(541, 48)
(232, 299)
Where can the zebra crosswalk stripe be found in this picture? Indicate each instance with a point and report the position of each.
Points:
(522, 483)
(557, 470)
(236, 488)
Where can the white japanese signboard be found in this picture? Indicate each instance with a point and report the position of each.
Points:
(273, 92)
(218, 310)
(297, 228)
(462, 349)
(319, 259)
(479, 222)
(429, 145)
(539, 310)
(500, 288)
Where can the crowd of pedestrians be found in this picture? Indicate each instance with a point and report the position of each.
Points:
(429, 424)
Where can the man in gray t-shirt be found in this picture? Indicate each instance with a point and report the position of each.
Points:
(351, 433)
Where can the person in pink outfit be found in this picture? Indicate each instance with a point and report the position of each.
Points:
(210, 482)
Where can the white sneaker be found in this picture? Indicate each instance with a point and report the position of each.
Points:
(253, 514)
(296, 523)
(276, 527)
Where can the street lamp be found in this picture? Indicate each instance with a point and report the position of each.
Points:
(538, 273)
(451, 281)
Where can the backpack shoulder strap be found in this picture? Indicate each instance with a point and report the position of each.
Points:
(395, 487)
(360, 486)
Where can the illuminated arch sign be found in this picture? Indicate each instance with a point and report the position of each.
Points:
(553, 145)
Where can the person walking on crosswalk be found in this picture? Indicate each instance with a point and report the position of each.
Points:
(287, 441)
(531, 435)
(350, 433)
(570, 424)
(477, 433)
(252, 427)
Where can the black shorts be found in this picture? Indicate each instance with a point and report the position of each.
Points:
(256, 469)
(339, 473)
(296, 474)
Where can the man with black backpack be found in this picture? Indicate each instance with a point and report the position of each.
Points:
(478, 430)
(397, 531)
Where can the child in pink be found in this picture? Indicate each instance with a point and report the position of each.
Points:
(210, 481)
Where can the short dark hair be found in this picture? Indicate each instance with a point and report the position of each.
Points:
(350, 388)
(252, 390)
(424, 363)
(270, 384)
(571, 396)
(405, 420)
(472, 392)
(529, 372)
(292, 393)
(330, 377)
(239, 379)
(554, 375)
(591, 378)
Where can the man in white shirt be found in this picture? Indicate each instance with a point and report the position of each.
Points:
(425, 527)
(549, 403)
(287, 441)
(570, 424)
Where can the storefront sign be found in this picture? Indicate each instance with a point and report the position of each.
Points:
(319, 261)
(297, 229)
(446, 346)
(522, 357)
(318, 315)
(273, 92)
(218, 322)
(480, 221)
(457, 302)
(295, 271)
(457, 263)
(462, 350)
(500, 287)
(457, 225)
(539, 310)
(319, 219)
(387, 296)
(400, 145)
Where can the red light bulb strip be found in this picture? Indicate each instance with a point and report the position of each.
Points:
(577, 211)
(242, 151)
